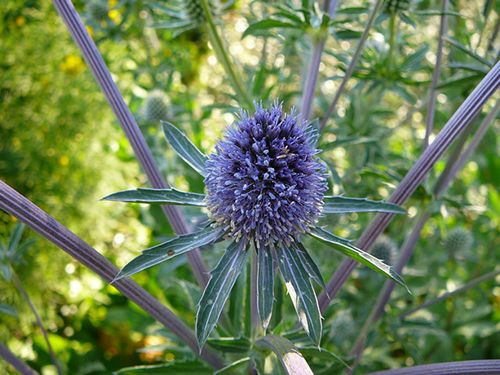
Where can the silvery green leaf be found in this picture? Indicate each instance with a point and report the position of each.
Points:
(230, 344)
(265, 286)
(357, 254)
(217, 291)
(312, 132)
(174, 368)
(8, 309)
(309, 264)
(169, 249)
(290, 358)
(301, 292)
(158, 196)
(340, 205)
(15, 237)
(185, 148)
(229, 369)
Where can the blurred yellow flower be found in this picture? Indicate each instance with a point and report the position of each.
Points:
(90, 30)
(20, 21)
(63, 161)
(115, 16)
(72, 64)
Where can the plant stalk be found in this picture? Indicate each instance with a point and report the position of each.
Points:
(129, 125)
(17, 205)
(457, 163)
(25, 295)
(15, 362)
(352, 64)
(313, 70)
(431, 106)
(488, 366)
(224, 59)
(460, 120)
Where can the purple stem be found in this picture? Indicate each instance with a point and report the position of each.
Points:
(483, 367)
(457, 123)
(457, 163)
(431, 108)
(313, 71)
(353, 63)
(19, 365)
(115, 99)
(14, 203)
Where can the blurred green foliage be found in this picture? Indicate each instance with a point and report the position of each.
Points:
(61, 146)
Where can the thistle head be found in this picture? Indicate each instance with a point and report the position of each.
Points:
(386, 250)
(264, 182)
(155, 107)
(194, 11)
(458, 240)
(395, 6)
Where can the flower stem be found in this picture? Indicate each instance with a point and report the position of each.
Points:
(17, 205)
(460, 120)
(20, 288)
(223, 57)
(313, 70)
(393, 33)
(431, 106)
(129, 125)
(19, 365)
(352, 64)
(489, 366)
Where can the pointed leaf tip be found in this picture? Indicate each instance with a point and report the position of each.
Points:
(185, 148)
(341, 204)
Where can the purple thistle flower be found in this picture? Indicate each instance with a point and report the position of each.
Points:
(264, 182)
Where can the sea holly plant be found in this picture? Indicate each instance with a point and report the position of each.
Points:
(265, 190)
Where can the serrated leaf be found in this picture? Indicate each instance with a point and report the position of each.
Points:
(185, 148)
(265, 286)
(358, 255)
(312, 132)
(290, 358)
(217, 291)
(8, 309)
(229, 369)
(169, 249)
(158, 196)
(309, 264)
(230, 344)
(268, 24)
(340, 205)
(187, 367)
(301, 292)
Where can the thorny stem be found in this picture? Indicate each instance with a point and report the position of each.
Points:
(115, 99)
(471, 284)
(16, 204)
(313, 70)
(223, 57)
(460, 120)
(19, 365)
(489, 366)
(25, 295)
(457, 163)
(431, 106)
(352, 64)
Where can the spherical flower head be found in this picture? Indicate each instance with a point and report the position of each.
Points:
(155, 107)
(386, 250)
(458, 240)
(264, 182)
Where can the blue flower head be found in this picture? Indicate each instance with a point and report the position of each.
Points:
(264, 182)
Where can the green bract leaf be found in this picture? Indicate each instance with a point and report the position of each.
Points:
(169, 249)
(187, 367)
(467, 51)
(265, 286)
(254, 28)
(301, 292)
(309, 264)
(217, 291)
(340, 205)
(229, 369)
(8, 309)
(290, 358)
(357, 254)
(158, 196)
(230, 344)
(15, 237)
(185, 148)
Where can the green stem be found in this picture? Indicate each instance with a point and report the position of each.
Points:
(24, 294)
(223, 57)
(393, 32)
